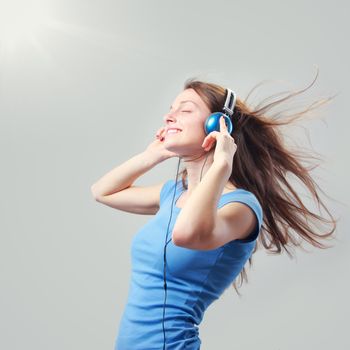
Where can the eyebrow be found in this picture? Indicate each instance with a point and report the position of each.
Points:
(185, 102)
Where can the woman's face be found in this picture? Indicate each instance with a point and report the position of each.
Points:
(190, 117)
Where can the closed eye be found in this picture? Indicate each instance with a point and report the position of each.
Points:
(186, 111)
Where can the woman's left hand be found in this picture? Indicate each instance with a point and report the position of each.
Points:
(225, 147)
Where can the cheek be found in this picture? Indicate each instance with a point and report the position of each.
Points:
(197, 128)
(196, 134)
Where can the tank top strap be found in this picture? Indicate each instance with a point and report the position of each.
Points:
(164, 192)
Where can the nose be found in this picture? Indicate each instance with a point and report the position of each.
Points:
(168, 117)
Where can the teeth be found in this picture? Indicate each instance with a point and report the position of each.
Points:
(173, 131)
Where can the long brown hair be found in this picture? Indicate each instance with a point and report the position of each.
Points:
(262, 164)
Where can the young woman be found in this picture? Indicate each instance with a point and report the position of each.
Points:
(205, 227)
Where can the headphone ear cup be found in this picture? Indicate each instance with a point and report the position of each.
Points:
(212, 123)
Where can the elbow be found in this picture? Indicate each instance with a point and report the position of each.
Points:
(94, 192)
(176, 239)
(180, 237)
(191, 238)
(186, 239)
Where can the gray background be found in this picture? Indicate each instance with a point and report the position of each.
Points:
(84, 87)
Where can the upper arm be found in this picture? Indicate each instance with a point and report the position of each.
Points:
(234, 220)
(135, 199)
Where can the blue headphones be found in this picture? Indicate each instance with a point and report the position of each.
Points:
(212, 123)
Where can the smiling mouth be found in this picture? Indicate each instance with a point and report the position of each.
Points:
(172, 132)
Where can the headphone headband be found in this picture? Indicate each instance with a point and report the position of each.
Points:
(230, 102)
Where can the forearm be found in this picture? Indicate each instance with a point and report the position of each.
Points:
(198, 214)
(124, 175)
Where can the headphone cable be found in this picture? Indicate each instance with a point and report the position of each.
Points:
(166, 241)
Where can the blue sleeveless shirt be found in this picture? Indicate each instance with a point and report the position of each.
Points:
(195, 278)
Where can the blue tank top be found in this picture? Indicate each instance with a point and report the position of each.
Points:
(195, 278)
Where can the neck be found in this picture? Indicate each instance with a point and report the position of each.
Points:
(196, 167)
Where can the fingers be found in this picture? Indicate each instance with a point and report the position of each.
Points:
(222, 124)
(211, 136)
(209, 140)
(159, 133)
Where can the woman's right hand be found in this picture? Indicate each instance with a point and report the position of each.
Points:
(157, 148)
